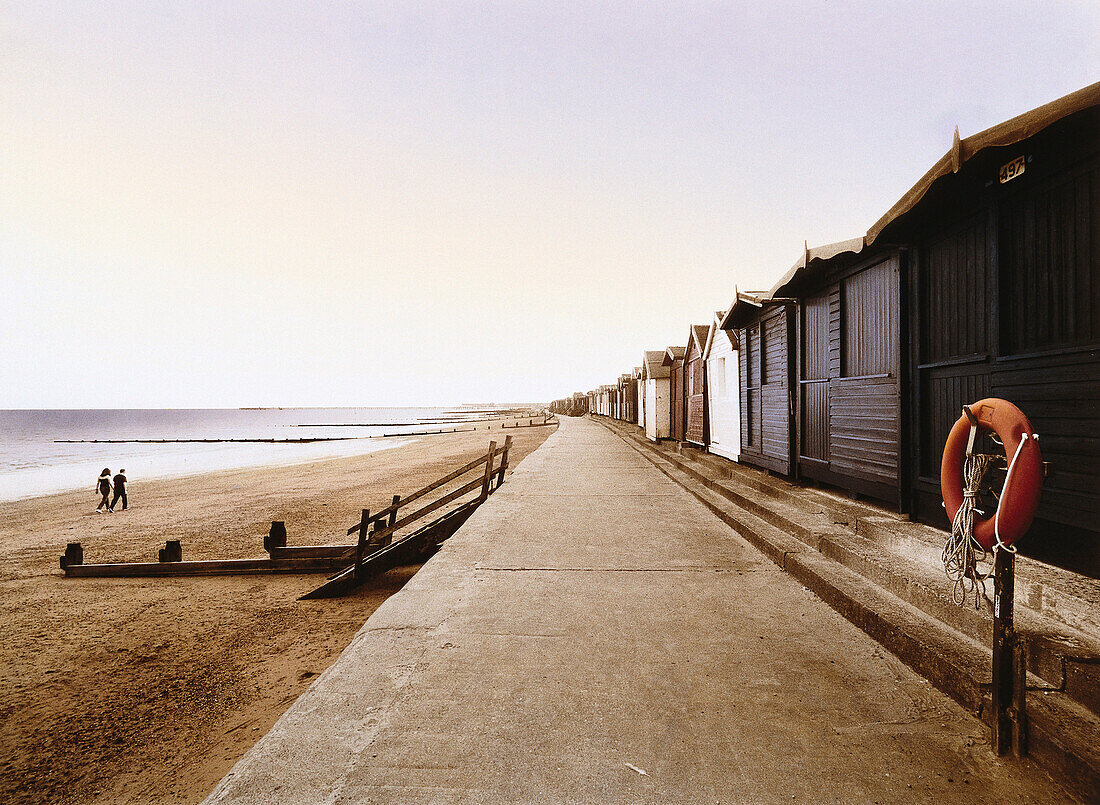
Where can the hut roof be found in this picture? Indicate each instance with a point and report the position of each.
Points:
(715, 331)
(652, 368)
(699, 335)
(673, 354)
(808, 258)
(747, 305)
(1007, 133)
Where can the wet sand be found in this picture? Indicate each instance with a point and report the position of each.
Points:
(148, 690)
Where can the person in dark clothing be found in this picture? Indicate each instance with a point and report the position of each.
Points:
(120, 491)
(103, 487)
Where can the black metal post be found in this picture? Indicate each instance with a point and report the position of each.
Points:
(1004, 641)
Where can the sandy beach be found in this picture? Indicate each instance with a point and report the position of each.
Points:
(148, 690)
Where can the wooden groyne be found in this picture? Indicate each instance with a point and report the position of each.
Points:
(376, 549)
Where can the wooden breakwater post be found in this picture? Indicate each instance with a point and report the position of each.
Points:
(171, 552)
(74, 555)
(276, 537)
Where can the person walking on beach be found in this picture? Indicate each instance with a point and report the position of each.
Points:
(103, 486)
(120, 491)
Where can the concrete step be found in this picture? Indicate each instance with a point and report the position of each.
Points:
(900, 556)
(847, 571)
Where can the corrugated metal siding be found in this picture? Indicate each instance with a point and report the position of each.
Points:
(774, 347)
(850, 408)
(957, 293)
(1059, 395)
(814, 425)
(815, 420)
(870, 321)
(774, 399)
(944, 392)
(815, 338)
(1050, 258)
(749, 360)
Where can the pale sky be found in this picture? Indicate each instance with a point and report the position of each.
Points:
(389, 203)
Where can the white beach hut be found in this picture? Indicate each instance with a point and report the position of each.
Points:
(723, 390)
(657, 411)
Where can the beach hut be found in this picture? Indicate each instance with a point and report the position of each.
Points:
(723, 393)
(626, 397)
(695, 382)
(763, 327)
(655, 377)
(1001, 295)
(677, 404)
(639, 397)
(848, 359)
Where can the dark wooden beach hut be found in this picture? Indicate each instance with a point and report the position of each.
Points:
(674, 360)
(1001, 295)
(695, 375)
(763, 326)
(848, 366)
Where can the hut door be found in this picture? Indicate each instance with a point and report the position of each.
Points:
(815, 379)
(696, 405)
(775, 413)
(751, 372)
(677, 383)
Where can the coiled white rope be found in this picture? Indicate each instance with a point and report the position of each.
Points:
(1008, 477)
(962, 553)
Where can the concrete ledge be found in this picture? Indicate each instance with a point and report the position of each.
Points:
(1064, 737)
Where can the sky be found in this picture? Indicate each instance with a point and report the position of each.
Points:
(218, 204)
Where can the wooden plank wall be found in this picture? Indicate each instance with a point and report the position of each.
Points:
(954, 344)
(1049, 362)
(1050, 242)
(814, 380)
(749, 364)
(774, 400)
(676, 400)
(694, 382)
(850, 423)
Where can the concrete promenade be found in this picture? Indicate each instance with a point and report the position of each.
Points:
(594, 634)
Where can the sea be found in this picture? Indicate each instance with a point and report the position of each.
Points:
(47, 451)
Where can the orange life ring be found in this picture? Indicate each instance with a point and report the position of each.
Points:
(1020, 495)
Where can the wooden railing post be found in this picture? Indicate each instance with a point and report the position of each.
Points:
(393, 511)
(503, 462)
(364, 523)
(488, 470)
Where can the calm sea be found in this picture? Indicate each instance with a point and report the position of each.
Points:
(35, 461)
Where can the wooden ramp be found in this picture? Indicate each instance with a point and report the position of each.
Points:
(409, 550)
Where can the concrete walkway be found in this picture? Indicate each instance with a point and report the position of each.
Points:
(595, 634)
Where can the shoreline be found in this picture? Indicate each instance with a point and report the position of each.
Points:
(71, 474)
(130, 690)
